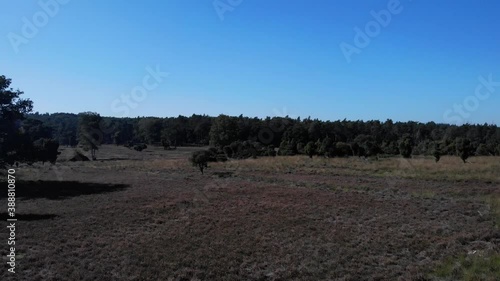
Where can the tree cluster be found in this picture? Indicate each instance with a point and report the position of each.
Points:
(21, 139)
(26, 136)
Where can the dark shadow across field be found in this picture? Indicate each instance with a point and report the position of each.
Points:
(58, 190)
(27, 217)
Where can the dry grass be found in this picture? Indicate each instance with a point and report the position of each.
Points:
(449, 168)
(150, 215)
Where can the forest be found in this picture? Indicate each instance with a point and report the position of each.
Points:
(291, 136)
(29, 137)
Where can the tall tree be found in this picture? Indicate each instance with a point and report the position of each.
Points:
(90, 134)
(12, 112)
(224, 131)
(464, 148)
(406, 146)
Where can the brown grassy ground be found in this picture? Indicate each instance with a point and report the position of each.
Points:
(151, 216)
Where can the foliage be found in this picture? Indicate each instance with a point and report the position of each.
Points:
(327, 147)
(365, 145)
(365, 138)
(437, 151)
(310, 149)
(288, 148)
(343, 149)
(406, 146)
(464, 148)
(140, 147)
(22, 140)
(482, 150)
(90, 134)
(224, 131)
(46, 150)
(200, 159)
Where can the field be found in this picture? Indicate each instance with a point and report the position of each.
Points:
(150, 215)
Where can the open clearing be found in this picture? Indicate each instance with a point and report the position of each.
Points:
(151, 216)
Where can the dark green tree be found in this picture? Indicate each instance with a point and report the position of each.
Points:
(12, 112)
(343, 149)
(200, 159)
(90, 135)
(406, 146)
(46, 150)
(365, 145)
(464, 148)
(327, 148)
(437, 152)
(310, 149)
(224, 131)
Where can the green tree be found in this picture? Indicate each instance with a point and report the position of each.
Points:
(200, 159)
(15, 142)
(406, 146)
(437, 152)
(464, 148)
(288, 148)
(327, 147)
(343, 149)
(482, 150)
(224, 131)
(310, 149)
(46, 150)
(150, 130)
(365, 145)
(90, 135)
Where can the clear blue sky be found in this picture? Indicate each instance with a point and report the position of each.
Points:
(264, 58)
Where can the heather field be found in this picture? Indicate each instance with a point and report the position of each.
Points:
(150, 215)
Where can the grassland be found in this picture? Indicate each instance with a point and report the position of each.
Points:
(151, 216)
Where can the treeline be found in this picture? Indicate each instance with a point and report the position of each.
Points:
(241, 137)
(30, 137)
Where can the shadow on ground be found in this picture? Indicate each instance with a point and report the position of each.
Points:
(27, 217)
(58, 190)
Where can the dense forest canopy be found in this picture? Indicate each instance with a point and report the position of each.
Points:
(30, 137)
(330, 138)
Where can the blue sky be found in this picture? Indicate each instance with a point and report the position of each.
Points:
(261, 58)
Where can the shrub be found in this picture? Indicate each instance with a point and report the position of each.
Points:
(343, 149)
(46, 150)
(140, 147)
(406, 146)
(464, 148)
(200, 159)
(310, 149)
(437, 151)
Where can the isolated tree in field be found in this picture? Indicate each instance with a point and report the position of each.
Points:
(405, 146)
(200, 159)
(90, 135)
(437, 151)
(310, 149)
(464, 148)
